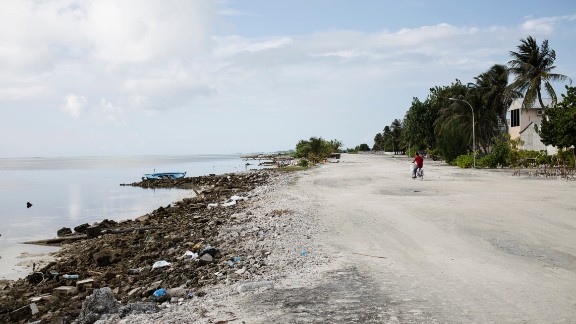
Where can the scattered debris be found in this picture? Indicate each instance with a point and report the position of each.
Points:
(113, 259)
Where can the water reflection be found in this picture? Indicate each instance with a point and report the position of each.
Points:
(74, 202)
(71, 191)
(66, 192)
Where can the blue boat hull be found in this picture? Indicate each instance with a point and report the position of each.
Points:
(164, 175)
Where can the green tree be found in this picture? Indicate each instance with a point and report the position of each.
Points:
(495, 94)
(452, 141)
(558, 126)
(316, 149)
(378, 142)
(363, 147)
(454, 114)
(476, 103)
(388, 139)
(334, 145)
(532, 66)
(396, 131)
(419, 124)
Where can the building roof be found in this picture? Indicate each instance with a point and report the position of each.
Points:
(518, 103)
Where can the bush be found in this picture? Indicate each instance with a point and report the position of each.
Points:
(304, 163)
(564, 157)
(316, 149)
(501, 152)
(489, 161)
(464, 161)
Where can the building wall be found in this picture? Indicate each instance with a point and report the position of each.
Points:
(531, 141)
(528, 118)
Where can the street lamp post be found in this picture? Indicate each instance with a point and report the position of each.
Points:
(473, 132)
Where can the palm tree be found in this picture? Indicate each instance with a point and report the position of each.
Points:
(532, 65)
(496, 96)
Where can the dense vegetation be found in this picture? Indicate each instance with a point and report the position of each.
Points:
(444, 122)
(315, 150)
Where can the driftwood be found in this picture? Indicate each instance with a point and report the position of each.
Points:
(128, 230)
(74, 238)
(58, 240)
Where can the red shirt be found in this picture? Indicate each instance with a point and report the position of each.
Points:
(419, 161)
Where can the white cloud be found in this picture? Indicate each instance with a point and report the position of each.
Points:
(135, 31)
(19, 92)
(545, 25)
(74, 105)
(107, 113)
(233, 45)
(42, 34)
(154, 61)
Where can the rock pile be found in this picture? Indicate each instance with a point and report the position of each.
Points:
(172, 254)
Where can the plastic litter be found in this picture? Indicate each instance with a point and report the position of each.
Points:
(68, 276)
(160, 264)
(191, 254)
(230, 263)
(159, 293)
(304, 252)
(230, 203)
(236, 259)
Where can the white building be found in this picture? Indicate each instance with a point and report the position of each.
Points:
(522, 122)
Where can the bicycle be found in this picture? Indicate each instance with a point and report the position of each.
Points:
(419, 173)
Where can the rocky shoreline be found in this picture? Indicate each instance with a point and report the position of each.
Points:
(171, 256)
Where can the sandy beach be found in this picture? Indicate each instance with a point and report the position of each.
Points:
(360, 241)
(461, 246)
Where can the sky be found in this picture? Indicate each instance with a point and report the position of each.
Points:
(145, 77)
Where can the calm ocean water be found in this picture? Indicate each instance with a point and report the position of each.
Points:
(66, 192)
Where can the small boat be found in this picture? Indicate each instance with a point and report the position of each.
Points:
(164, 175)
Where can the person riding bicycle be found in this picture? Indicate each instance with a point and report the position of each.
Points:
(419, 164)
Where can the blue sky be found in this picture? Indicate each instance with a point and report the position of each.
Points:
(139, 77)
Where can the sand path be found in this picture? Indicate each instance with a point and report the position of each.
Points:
(461, 246)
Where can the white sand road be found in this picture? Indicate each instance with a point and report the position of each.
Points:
(461, 246)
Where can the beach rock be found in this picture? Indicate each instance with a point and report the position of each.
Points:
(64, 231)
(93, 231)
(119, 255)
(100, 302)
(209, 250)
(20, 314)
(81, 228)
(205, 259)
(104, 258)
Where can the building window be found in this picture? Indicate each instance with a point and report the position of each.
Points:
(514, 117)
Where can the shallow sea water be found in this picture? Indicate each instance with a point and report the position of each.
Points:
(66, 192)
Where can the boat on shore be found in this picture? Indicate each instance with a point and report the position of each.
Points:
(163, 175)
